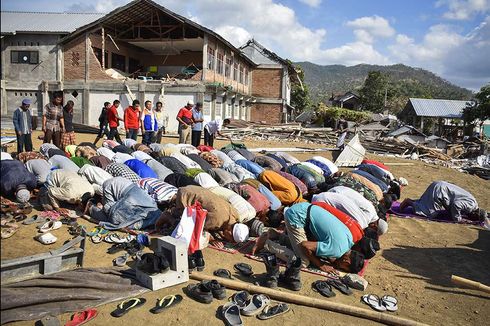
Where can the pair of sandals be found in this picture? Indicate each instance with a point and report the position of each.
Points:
(97, 234)
(385, 303)
(325, 287)
(133, 303)
(242, 303)
(49, 226)
(116, 238)
(242, 268)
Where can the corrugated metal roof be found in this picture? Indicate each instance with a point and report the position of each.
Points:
(438, 108)
(45, 22)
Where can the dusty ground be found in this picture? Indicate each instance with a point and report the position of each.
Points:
(415, 264)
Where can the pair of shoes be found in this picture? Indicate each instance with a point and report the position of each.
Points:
(196, 260)
(153, 263)
(205, 291)
(291, 277)
(242, 303)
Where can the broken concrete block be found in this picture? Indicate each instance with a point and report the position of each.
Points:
(355, 281)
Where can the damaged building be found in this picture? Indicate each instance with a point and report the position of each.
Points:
(138, 51)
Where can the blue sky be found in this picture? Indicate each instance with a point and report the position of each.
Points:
(448, 37)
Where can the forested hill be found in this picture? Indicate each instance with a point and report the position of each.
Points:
(404, 81)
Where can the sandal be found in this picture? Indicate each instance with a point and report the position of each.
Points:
(82, 317)
(390, 302)
(166, 302)
(230, 313)
(323, 288)
(373, 301)
(339, 285)
(96, 238)
(255, 305)
(240, 298)
(127, 305)
(121, 260)
(46, 238)
(8, 232)
(50, 226)
(34, 219)
(274, 311)
(244, 269)
(224, 273)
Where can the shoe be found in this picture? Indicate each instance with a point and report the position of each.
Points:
(191, 261)
(199, 260)
(291, 277)
(272, 268)
(199, 293)
(152, 264)
(218, 290)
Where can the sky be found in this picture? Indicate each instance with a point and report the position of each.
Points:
(448, 37)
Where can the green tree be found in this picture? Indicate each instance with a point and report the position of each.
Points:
(373, 91)
(478, 111)
(300, 93)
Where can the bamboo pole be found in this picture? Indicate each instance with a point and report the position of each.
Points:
(384, 318)
(458, 280)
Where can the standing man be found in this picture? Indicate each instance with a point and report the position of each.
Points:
(103, 121)
(23, 126)
(132, 120)
(148, 124)
(197, 128)
(68, 136)
(160, 120)
(113, 119)
(53, 122)
(184, 117)
(212, 128)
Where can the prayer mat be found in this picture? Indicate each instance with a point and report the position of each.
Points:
(234, 248)
(408, 213)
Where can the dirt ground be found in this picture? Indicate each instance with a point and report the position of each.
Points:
(415, 264)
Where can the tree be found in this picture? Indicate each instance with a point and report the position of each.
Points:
(373, 91)
(300, 94)
(479, 110)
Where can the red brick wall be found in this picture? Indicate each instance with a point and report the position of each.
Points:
(74, 62)
(271, 113)
(267, 83)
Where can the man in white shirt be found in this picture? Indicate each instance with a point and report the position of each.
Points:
(212, 128)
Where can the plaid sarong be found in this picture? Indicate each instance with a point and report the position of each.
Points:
(67, 138)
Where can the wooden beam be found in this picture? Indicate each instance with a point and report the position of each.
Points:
(103, 48)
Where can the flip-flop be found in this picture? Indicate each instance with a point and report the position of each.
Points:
(34, 219)
(121, 260)
(50, 226)
(224, 273)
(96, 238)
(255, 305)
(244, 269)
(46, 238)
(273, 311)
(390, 302)
(81, 317)
(20, 217)
(9, 223)
(166, 302)
(323, 288)
(230, 313)
(373, 301)
(240, 298)
(339, 285)
(8, 232)
(127, 305)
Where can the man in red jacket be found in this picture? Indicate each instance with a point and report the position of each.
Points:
(132, 120)
(184, 117)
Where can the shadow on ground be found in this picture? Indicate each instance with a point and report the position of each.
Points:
(436, 265)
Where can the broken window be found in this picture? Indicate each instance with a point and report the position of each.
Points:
(210, 58)
(219, 66)
(118, 62)
(229, 63)
(98, 54)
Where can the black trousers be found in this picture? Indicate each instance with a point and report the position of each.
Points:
(55, 136)
(208, 138)
(24, 141)
(113, 133)
(196, 138)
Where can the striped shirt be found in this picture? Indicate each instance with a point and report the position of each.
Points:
(159, 190)
(53, 114)
(245, 210)
(121, 170)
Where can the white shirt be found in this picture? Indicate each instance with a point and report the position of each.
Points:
(6, 156)
(186, 161)
(128, 142)
(214, 126)
(365, 205)
(104, 151)
(121, 157)
(313, 167)
(331, 166)
(205, 180)
(95, 175)
(141, 156)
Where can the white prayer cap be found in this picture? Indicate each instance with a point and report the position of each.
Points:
(240, 232)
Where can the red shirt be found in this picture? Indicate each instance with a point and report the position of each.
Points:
(185, 114)
(352, 225)
(131, 118)
(112, 117)
(378, 164)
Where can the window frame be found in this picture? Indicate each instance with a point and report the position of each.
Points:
(228, 66)
(220, 63)
(211, 58)
(31, 54)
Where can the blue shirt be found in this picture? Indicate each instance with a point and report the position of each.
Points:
(141, 169)
(197, 115)
(333, 238)
(252, 167)
(373, 179)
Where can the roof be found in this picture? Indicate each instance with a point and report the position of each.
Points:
(139, 9)
(405, 130)
(44, 22)
(260, 55)
(438, 108)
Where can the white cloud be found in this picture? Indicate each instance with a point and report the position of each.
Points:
(311, 3)
(352, 54)
(236, 35)
(367, 29)
(463, 9)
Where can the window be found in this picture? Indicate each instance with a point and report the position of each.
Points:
(98, 54)
(29, 57)
(118, 62)
(240, 76)
(229, 63)
(246, 76)
(134, 65)
(219, 66)
(210, 58)
(235, 70)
